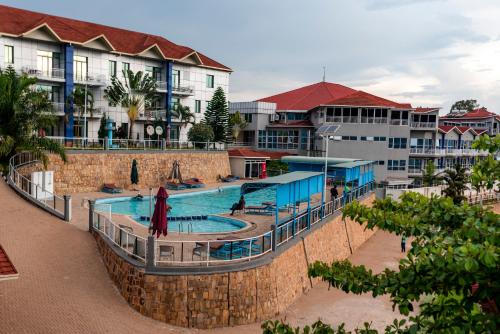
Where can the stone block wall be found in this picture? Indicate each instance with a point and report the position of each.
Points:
(88, 171)
(234, 298)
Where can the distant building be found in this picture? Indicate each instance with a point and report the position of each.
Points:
(400, 139)
(481, 120)
(64, 53)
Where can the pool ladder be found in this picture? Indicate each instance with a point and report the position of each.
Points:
(189, 227)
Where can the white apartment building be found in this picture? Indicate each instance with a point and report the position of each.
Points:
(63, 53)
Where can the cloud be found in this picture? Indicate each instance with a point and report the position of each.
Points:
(390, 4)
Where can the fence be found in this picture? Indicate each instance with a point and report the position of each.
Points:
(133, 144)
(157, 253)
(59, 206)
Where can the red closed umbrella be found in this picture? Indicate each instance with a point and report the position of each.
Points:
(159, 219)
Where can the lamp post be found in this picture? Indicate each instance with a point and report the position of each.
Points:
(85, 116)
(327, 137)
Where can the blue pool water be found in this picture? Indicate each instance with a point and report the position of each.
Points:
(193, 204)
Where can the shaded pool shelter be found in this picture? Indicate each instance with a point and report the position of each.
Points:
(290, 188)
(355, 172)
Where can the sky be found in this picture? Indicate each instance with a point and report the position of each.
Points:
(425, 52)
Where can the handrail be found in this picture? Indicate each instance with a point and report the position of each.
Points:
(59, 206)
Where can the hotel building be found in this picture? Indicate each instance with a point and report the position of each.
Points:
(399, 138)
(63, 53)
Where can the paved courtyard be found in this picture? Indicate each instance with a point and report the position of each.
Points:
(63, 285)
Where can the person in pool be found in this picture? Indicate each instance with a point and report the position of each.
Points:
(139, 197)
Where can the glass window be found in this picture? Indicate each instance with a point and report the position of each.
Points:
(210, 81)
(399, 165)
(80, 68)
(112, 68)
(397, 143)
(175, 102)
(197, 106)
(176, 78)
(154, 72)
(9, 54)
(125, 67)
(248, 118)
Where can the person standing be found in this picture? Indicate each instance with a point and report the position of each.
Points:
(334, 193)
(403, 243)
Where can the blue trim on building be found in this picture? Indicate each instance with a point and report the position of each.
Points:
(68, 89)
(168, 103)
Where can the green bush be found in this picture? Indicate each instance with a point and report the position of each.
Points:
(201, 133)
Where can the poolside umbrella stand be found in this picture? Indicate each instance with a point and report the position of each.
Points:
(159, 219)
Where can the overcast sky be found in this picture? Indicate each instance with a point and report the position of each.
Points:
(427, 52)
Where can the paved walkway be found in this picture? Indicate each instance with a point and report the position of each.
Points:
(64, 287)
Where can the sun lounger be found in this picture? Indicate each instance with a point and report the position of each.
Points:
(175, 186)
(229, 178)
(259, 209)
(110, 188)
(193, 183)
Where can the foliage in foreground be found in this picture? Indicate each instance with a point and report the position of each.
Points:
(454, 248)
(23, 113)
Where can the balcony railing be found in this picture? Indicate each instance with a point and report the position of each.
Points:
(426, 151)
(182, 90)
(161, 85)
(154, 113)
(58, 107)
(399, 122)
(424, 125)
(92, 80)
(52, 74)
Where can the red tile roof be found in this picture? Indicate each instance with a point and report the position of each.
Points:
(476, 113)
(247, 153)
(459, 129)
(7, 269)
(308, 97)
(276, 155)
(364, 99)
(425, 110)
(446, 128)
(18, 22)
(464, 129)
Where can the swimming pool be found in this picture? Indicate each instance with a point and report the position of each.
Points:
(208, 202)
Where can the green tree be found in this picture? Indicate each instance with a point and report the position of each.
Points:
(184, 115)
(201, 133)
(236, 124)
(79, 98)
(102, 132)
(429, 176)
(136, 92)
(23, 112)
(217, 115)
(456, 183)
(468, 105)
(486, 172)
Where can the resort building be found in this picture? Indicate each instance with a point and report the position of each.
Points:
(399, 138)
(64, 53)
(481, 120)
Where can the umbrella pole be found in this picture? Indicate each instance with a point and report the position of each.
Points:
(150, 201)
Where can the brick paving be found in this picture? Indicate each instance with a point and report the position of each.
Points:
(63, 286)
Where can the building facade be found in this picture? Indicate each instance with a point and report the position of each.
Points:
(398, 138)
(65, 53)
(480, 119)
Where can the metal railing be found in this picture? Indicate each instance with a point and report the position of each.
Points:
(59, 206)
(425, 125)
(185, 90)
(157, 253)
(54, 73)
(96, 80)
(427, 151)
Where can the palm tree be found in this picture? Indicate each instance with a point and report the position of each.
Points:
(456, 180)
(429, 177)
(184, 114)
(79, 98)
(23, 113)
(236, 124)
(136, 92)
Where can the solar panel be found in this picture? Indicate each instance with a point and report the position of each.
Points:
(326, 130)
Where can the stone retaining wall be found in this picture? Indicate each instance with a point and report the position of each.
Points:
(239, 297)
(88, 171)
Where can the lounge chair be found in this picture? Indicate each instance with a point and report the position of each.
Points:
(111, 188)
(229, 178)
(259, 209)
(193, 183)
(175, 186)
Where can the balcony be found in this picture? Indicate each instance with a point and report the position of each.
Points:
(153, 113)
(464, 152)
(90, 80)
(427, 151)
(161, 86)
(182, 90)
(398, 122)
(58, 108)
(80, 112)
(54, 74)
(424, 125)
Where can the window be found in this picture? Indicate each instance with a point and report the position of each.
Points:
(154, 72)
(176, 78)
(278, 139)
(381, 162)
(210, 81)
(80, 68)
(9, 54)
(248, 118)
(47, 61)
(396, 165)
(197, 106)
(379, 138)
(363, 138)
(397, 143)
(126, 67)
(175, 103)
(112, 68)
(349, 138)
